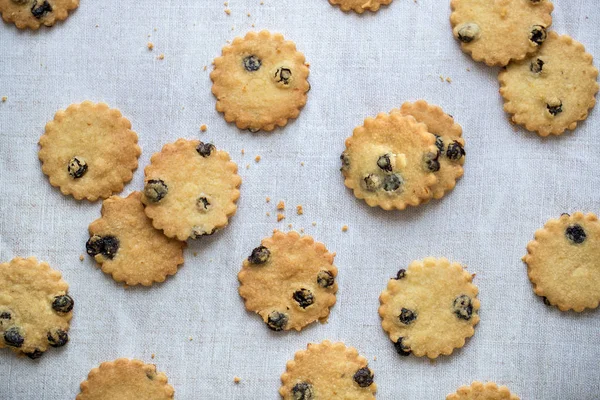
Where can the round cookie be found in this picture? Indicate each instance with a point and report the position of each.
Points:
(480, 391)
(125, 379)
(34, 13)
(89, 151)
(430, 308)
(289, 280)
(497, 31)
(563, 262)
(190, 189)
(35, 308)
(360, 6)
(449, 142)
(127, 246)
(390, 162)
(552, 90)
(260, 81)
(327, 371)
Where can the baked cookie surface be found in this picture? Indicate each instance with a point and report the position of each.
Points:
(360, 6)
(34, 13)
(480, 391)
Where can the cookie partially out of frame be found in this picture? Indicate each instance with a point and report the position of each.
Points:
(34, 13)
(480, 391)
(360, 6)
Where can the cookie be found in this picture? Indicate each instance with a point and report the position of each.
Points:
(260, 81)
(448, 140)
(563, 262)
(34, 13)
(125, 379)
(430, 308)
(327, 371)
(497, 31)
(360, 6)
(35, 308)
(289, 280)
(552, 90)
(89, 151)
(390, 162)
(128, 247)
(190, 189)
(480, 391)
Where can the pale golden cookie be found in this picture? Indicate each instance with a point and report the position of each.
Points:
(448, 141)
(89, 151)
(327, 371)
(360, 6)
(125, 379)
(35, 308)
(289, 280)
(389, 162)
(260, 81)
(552, 90)
(34, 13)
(563, 262)
(430, 308)
(190, 189)
(128, 247)
(497, 31)
(480, 391)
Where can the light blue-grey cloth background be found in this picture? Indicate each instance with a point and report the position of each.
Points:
(360, 66)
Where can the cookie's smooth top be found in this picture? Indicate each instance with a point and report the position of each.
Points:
(360, 6)
(563, 262)
(430, 308)
(497, 31)
(125, 379)
(260, 81)
(552, 90)
(480, 391)
(34, 13)
(35, 308)
(89, 151)
(127, 246)
(289, 281)
(389, 162)
(191, 189)
(327, 371)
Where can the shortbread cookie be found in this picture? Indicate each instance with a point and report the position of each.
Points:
(563, 262)
(128, 247)
(448, 140)
(430, 308)
(35, 308)
(190, 189)
(125, 379)
(497, 31)
(552, 90)
(327, 371)
(360, 6)
(289, 280)
(34, 13)
(390, 162)
(89, 151)
(260, 81)
(480, 391)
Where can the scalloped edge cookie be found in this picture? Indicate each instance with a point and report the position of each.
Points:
(360, 6)
(479, 391)
(22, 16)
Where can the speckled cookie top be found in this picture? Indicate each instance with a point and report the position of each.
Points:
(480, 391)
(360, 6)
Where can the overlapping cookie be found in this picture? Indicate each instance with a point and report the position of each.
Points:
(480, 391)
(360, 6)
(34, 13)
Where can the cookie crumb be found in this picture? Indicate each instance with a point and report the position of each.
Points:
(281, 205)
(257, 158)
(468, 69)
(253, 25)
(441, 78)
(205, 67)
(345, 228)
(374, 358)
(150, 46)
(249, 14)
(203, 128)
(161, 56)
(243, 151)
(247, 166)
(299, 210)
(191, 338)
(301, 230)
(448, 79)
(4, 98)
(236, 379)
(302, 164)
(227, 11)
(152, 356)
(195, 254)
(290, 226)
(268, 199)
(268, 214)
(280, 216)
(314, 224)
(81, 257)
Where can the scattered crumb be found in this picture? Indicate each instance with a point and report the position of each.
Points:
(249, 14)
(243, 151)
(448, 79)
(227, 11)
(236, 379)
(299, 210)
(191, 338)
(375, 357)
(441, 78)
(205, 67)
(97, 25)
(281, 205)
(150, 46)
(247, 166)
(4, 98)
(233, 28)
(161, 57)
(153, 355)
(81, 257)
(280, 216)
(268, 214)
(262, 2)
(195, 254)
(257, 158)
(345, 228)
(203, 128)
(226, 4)
(268, 199)
(155, 29)
(253, 25)
(314, 224)
(473, 276)
(301, 230)
(302, 164)
(469, 69)
(290, 226)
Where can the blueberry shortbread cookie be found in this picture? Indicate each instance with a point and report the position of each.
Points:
(191, 189)
(448, 140)
(563, 262)
(327, 371)
(128, 247)
(480, 391)
(430, 308)
(360, 6)
(89, 151)
(125, 379)
(497, 31)
(552, 90)
(34, 13)
(260, 81)
(289, 280)
(35, 308)
(390, 162)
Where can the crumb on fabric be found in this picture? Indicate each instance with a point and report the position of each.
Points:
(243, 151)
(375, 357)
(249, 15)
(205, 67)
(253, 25)
(448, 79)
(281, 205)
(236, 379)
(257, 158)
(150, 46)
(81, 257)
(195, 254)
(268, 199)
(247, 166)
(345, 228)
(299, 209)
(441, 78)
(4, 98)
(152, 356)
(268, 214)
(301, 230)
(290, 226)
(468, 69)
(227, 11)
(314, 224)
(280, 216)
(203, 128)
(161, 56)
(302, 164)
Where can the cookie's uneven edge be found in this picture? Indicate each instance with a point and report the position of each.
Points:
(58, 14)
(370, 5)
(476, 388)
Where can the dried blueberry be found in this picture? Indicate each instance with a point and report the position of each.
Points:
(407, 316)
(439, 143)
(63, 303)
(260, 255)
(364, 377)
(13, 337)
(277, 321)
(455, 151)
(546, 301)
(155, 190)
(283, 75)
(325, 279)
(302, 391)
(575, 234)
(37, 353)
(537, 34)
(199, 231)
(463, 307)
(304, 297)
(468, 32)
(555, 108)
(371, 182)
(205, 149)
(401, 348)
(432, 161)
(5, 315)
(385, 163)
(39, 11)
(392, 182)
(401, 274)
(536, 66)
(252, 63)
(345, 161)
(58, 338)
(105, 245)
(202, 203)
(77, 167)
